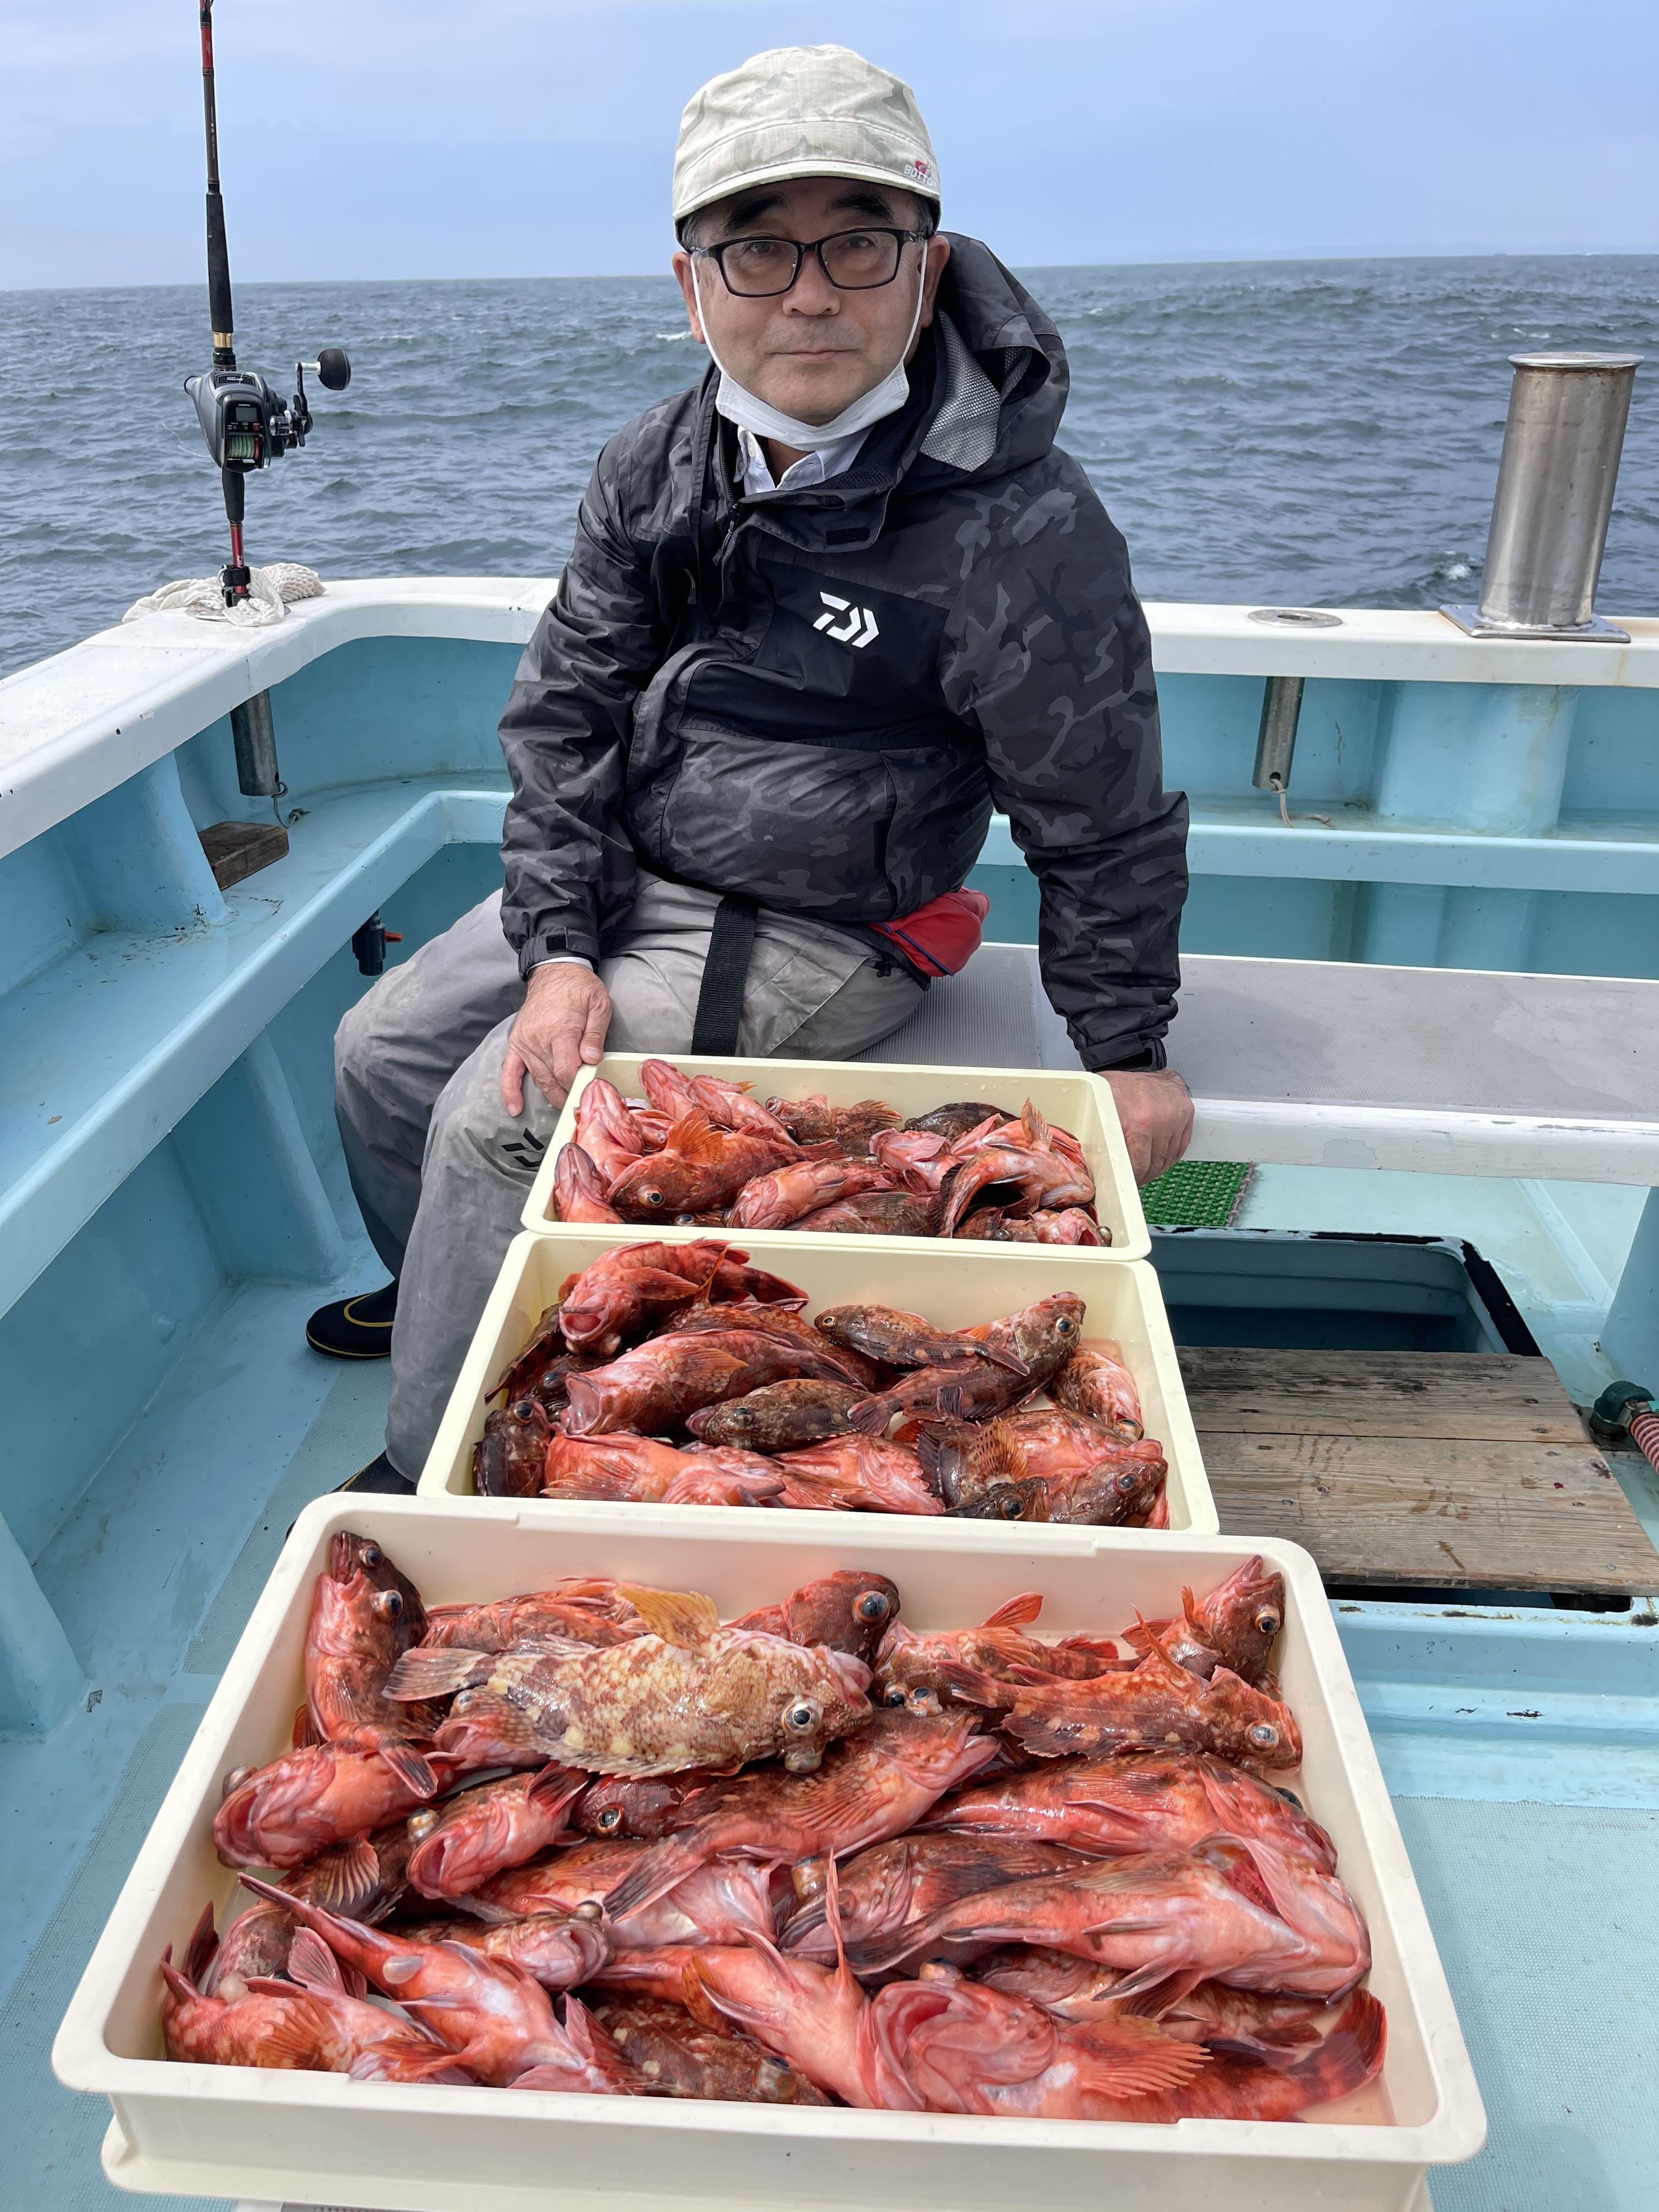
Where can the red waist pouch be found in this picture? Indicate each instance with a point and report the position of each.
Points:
(942, 937)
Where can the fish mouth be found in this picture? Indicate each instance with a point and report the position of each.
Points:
(853, 1678)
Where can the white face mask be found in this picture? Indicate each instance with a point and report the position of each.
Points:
(751, 413)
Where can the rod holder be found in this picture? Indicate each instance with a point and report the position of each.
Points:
(1275, 741)
(251, 726)
(1556, 480)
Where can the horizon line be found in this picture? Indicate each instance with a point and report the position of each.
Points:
(1146, 261)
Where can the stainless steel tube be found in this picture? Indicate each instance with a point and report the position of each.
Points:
(255, 737)
(1555, 484)
(1275, 740)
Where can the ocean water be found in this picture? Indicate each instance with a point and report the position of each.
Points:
(1316, 432)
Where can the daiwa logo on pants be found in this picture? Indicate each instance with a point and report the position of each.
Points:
(857, 625)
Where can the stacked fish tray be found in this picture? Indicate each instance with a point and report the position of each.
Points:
(956, 1283)
(938, 2113)
(660, 1829)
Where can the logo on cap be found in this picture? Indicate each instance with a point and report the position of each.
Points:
(919, 170)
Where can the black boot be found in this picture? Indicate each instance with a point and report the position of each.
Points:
(354, 1329)
(381, 1476)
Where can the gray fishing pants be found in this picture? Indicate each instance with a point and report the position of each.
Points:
(439, 1167)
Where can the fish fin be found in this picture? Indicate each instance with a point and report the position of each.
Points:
(556, 1786)
(293, 2040)
(1132, 2058)
(1034, 1127)
(343, 1878)
(1095, 1647)
(869, 1416)
(199, 1954)
(1145, 1978)
(1349, 2055)
(1017, 1611)
(971, 1687)
(433, 1670)
(1011, 1360)
(402, 1967)
(313, 1966)
(272, 1895)
(487, 1709)
(415, 1772)
(684, 1617)
(694, 1136)
(304, 1733)
(1158, 1661)
(655, 1872)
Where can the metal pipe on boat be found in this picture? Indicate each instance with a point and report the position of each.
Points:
(1556, 478)
(1275, 740)
(255, 736)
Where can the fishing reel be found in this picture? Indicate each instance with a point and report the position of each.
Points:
(245, 423)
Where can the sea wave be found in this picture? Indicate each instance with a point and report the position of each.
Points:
(1307, 433)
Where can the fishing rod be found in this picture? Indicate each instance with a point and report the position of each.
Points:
(244, 422)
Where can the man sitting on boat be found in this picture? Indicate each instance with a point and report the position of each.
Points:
(824, 612)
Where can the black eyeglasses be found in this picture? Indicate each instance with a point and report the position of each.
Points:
(853, 260)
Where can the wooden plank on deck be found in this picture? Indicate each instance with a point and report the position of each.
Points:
(1470, 1470)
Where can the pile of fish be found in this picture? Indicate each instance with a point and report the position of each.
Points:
(592, 1838)
(700, 1150)
(677, 1374)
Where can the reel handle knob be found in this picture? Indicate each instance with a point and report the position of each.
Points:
(333, 369)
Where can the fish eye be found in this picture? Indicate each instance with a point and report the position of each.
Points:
(236, 1777)
(1066, 1324)
(589, 1908)
(649, 1197)
(1125, 1483)
(1264, 1735)
(610, 1820)
(800, 1716)
(1009, 1506)
(371, 1555)
(1269, 1621)
(525, 1409)
(389, 1605)
(873, 1606)
(421, 1825)
(893, 1695)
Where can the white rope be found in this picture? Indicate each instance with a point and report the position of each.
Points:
(270, 591)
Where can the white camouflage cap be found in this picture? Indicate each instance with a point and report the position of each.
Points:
(801, 111)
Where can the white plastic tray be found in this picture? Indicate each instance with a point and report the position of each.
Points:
(318, 2138)
(952, 1284)
(1080, 1102)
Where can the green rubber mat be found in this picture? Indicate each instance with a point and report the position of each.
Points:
(1196, 1195)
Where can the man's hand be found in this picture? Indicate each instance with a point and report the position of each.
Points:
(560, 1028)
(1155, 1109)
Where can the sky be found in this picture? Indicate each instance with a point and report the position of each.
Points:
(400, 138)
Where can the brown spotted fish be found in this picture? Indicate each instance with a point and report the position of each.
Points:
(689, 1693)
(681, 2056)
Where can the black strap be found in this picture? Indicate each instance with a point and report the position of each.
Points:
(726, 971)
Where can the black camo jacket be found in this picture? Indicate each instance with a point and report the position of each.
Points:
(817, 696)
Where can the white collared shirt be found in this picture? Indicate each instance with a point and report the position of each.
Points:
(814, 468)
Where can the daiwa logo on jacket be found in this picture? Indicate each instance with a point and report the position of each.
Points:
(859, 627)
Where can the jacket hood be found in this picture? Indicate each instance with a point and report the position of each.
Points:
(1005, 374)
